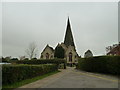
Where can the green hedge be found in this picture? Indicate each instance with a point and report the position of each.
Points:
(39, 61)
(15, 73)
(101, 64)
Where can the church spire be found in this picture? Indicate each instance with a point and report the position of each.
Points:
(68, 36)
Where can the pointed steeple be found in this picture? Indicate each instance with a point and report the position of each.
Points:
(68, 36)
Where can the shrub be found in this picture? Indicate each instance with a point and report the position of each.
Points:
(14, 59)
(101, 64)
(26, 59)
(15, 73)
(34, 59)
(59, 52)
(4, 60)
(39, 61)
(113, 65)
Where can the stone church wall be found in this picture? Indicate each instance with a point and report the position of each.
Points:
(47, 52)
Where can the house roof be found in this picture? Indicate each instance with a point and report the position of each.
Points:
(115, 50)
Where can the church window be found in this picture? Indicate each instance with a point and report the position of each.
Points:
(70, 57)
(47, 55)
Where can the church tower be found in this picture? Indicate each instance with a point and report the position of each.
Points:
(68, 36)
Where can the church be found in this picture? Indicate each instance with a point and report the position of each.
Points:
(71, 56)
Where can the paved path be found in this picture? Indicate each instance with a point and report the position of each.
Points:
(72, 78)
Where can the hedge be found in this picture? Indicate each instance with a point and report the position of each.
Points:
(15, 73)
(43, 61)
(100, 64)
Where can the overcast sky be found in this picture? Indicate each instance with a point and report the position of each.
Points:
(94, 26)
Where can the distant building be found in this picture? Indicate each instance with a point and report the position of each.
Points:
(47, 53)
(114, 50)
(71, 55)
(88, 54)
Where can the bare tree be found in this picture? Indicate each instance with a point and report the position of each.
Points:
(108, 49)
(32, 50)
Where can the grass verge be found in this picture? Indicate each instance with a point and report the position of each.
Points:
(27, 81)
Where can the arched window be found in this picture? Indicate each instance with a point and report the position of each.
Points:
(47, 55)
(70, 56)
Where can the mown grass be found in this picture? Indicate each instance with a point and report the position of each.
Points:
(27, 81)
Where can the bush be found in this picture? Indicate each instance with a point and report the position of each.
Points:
(4, 60)
(39, 61)
(113, 65)
(34, 59)
(48, 61)
(26, 59)
(101, 64)
(59, 52)
(15, 73)
(14, 59)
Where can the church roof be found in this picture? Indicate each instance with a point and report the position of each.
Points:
(51, 48)
(47, 46)
(68, 36)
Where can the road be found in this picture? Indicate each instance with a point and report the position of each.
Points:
(72, 78)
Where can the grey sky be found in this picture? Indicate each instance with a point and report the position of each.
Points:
(94, 26)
